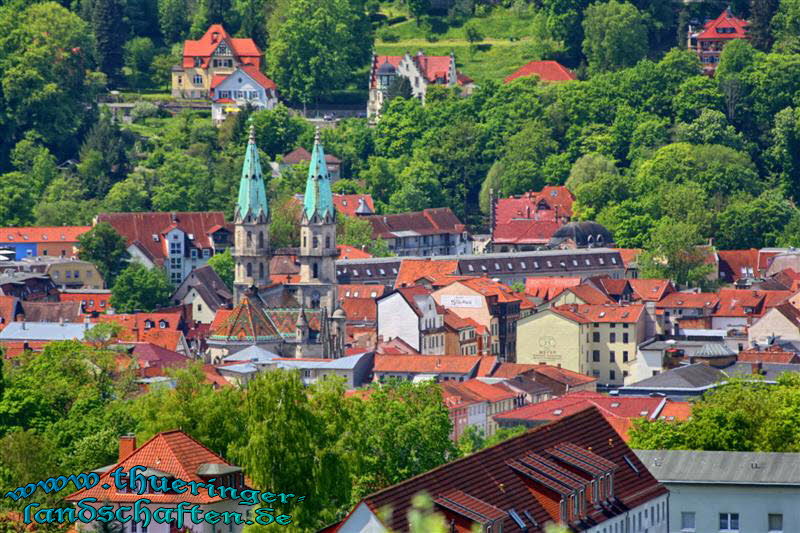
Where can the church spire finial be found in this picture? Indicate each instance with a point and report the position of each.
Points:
(252, 139)
(252, 200)
(316, 136)
(318, 198)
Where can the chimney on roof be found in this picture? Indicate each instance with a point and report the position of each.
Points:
(174, 218)
(127, 445)
(756, 368)
(214, 37)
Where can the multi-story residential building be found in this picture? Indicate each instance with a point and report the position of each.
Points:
(412, 314)
(508, 268)
(596, 340)
(577, 472)
(65, 272)
(464, 336)
(707, 42)
(492, 305)
(424, 233)
(685, 310)
(728, 491)
(204, 292)
(215, 56)
(421, 70)
(430, 368)
(51, 241)
(179, 242)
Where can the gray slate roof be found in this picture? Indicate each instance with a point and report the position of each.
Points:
(42, 331)
(714, 349)
(683, 377)
(747, 468)
(252, 354)
(343, 363)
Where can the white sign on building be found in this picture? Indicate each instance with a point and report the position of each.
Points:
(453, 300)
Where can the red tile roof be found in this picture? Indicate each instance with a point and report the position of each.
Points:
(351, 252)
(172, 452)
(486, 476)
(549, 71)
(771, 354)
(347, 204)
(360, 309)
(91, 301)
(9, 309)
(630, 407)
(356, 290)
(533, 205)
(548, 288)
(525, 232)
(412, 270)
(738, 264)
(436, 221)
(563, 376)
(487, 391)
(689, 300)
(724, 20)
(747, 302)
(139, 229)
(395, 346)
(245, 50)
(590, 295)
(427, 364)
(600, 313)
(490, 287)
(300, 154)
(676, 411)
(43, 234)
(487, 365)
(151, 355)
(651, 290)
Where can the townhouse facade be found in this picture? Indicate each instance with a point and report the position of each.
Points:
(413, 315)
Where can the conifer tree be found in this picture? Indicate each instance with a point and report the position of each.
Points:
(109, 35)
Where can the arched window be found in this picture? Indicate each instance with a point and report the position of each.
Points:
(249, 270)
(315, 299)
(315, 270)
(305, 241)
(599, 239)
(327, 241)
(315, 242)
(249, 238)
(260, 239)
(261, 271)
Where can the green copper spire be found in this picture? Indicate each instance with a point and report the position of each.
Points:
(252, 194)
(318, 198)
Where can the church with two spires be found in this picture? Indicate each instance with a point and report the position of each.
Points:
(300, 319)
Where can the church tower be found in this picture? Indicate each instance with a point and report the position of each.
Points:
(318, 236)
(251, 235)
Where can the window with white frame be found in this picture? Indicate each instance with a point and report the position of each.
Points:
(728, 522)
(197, 79)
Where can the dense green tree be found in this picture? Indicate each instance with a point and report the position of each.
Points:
(208, 12)
(253, 15)
(673, 253)
(711, 127)
(588, 168)
(760, 28)
(63, 204)
(614, 36)
(138, 57)
(304, 60)
(172, 19)
(277, 130)
(17, 198)
(138, 288)
(523, 164)
(753, 222)
(786, 27)
(407, 429)
(184, 184)
(103, 159)
(417, 8)
(223, 265)
(284, 228)
(696, 95)
(104, 247)
(109, 35)
(129, 195)
(357, 232)
(46, 87)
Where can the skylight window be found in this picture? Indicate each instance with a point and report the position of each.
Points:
(522, 264)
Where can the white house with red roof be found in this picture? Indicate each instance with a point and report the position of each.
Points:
(707, 42)
(175, 456)
(421, 70)
(412, 314)
(246, 85)
(215, 53)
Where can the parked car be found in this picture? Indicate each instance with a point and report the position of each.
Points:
(329, 117)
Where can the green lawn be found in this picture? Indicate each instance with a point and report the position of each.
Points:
(494, 63)
(497, 57)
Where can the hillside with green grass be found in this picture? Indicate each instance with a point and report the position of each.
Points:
(503, 39)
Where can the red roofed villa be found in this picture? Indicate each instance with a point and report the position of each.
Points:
(547, 71)
(709, 40)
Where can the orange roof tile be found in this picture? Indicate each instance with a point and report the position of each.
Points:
(547, 71)
(172, 452)
(490, 392)
(628, 255)
(651, 290)
(548, 288)
(688, 300)
(351, 252)
(43, 234)
(600, 313)
(427, 364)
(412, 270)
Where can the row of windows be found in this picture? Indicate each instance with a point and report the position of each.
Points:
(612, 356)
(612, 374)
(249, 95)
(72, 274)
(729, 522)
(223, 63)
(315, 244)
(522, 265)
(612, 337)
